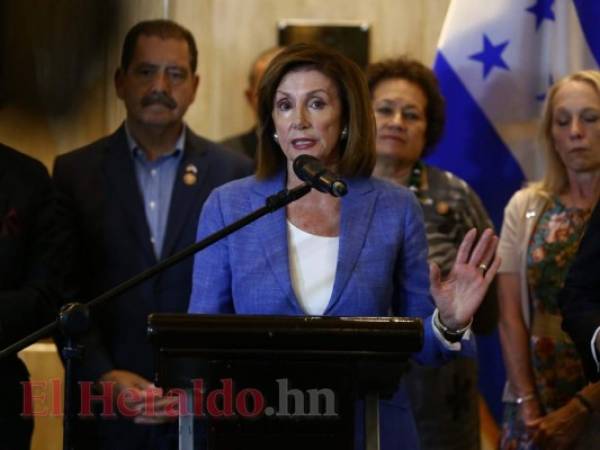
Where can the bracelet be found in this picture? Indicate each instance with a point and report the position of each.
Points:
(585, 402)
(525, 398)
(449, 335)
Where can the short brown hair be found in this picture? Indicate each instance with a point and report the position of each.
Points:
(358, 149)
(409, 69)
(555, 180)
(165, 29)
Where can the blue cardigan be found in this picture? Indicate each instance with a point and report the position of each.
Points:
(381, 270)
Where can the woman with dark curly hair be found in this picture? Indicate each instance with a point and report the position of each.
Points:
(409, 114)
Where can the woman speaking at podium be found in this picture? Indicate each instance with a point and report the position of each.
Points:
(361, 255)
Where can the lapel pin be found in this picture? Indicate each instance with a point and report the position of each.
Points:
(442, 208)
(190, 175)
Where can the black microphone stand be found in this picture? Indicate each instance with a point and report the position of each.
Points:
(74, 318)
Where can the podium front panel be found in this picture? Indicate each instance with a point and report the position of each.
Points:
(307, 373)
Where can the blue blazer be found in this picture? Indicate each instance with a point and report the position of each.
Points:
(381, 270)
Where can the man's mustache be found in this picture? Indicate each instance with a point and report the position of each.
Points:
(159, 98)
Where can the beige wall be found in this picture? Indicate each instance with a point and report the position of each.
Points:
(229, 34)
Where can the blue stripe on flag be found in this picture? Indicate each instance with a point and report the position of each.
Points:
(472, 149)
(480, 157)
(588, 12)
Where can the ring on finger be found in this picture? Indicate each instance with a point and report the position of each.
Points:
(483, 268)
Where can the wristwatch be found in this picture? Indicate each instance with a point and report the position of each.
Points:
(450, 335)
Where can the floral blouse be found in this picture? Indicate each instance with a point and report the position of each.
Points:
(556, 365)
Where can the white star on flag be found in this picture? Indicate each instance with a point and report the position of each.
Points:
(495, 62)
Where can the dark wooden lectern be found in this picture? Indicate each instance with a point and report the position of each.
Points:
(281, 382)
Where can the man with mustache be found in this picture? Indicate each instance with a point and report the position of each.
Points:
(132, 199)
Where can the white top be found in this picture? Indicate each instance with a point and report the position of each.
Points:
(313, 262)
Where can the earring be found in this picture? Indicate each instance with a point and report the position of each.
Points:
(276, 137)
(344, 134)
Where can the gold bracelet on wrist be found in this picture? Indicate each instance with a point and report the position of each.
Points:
(525, 398)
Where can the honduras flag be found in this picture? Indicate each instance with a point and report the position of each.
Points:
(496, 59)
(495, 62)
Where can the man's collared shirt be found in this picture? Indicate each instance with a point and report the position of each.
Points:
(156, 180)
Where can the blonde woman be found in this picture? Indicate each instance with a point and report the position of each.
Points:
(548, 404)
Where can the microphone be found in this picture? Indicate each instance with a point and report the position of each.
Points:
(310, 169)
